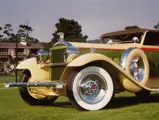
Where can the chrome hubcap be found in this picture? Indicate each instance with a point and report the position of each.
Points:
(92, 88)
(137, 68)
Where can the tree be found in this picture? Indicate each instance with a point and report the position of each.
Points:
(8, 29)
(46, 45)
(71, 29)
(8, 32)
(156, 26)
(1, 36)
(25, 31)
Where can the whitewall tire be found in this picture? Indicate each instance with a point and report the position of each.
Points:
(135, 63)
(91, 88)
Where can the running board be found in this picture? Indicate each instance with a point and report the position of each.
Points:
(153, 89)
(58, 85)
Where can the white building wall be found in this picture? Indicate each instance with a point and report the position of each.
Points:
(26, 51)
(11, 51)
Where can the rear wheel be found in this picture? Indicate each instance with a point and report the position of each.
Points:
(142, 94)
(28, 98)
(91, 88)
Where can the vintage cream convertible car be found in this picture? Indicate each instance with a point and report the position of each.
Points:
(89, 74)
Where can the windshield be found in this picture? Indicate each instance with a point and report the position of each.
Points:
(126, 38)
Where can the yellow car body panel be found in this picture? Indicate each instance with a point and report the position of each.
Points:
(38, 74)
(128, 82)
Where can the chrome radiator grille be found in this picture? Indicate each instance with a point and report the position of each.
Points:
(57, 55)
(57, 59)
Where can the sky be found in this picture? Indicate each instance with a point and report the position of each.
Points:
(95, 16)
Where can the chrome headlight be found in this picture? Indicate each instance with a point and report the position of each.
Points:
(43, 56)
(70, 54)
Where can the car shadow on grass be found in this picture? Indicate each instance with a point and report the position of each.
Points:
(63, 104)
(117, 102)
(127, 101)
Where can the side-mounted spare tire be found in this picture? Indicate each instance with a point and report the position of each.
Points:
(135, 63)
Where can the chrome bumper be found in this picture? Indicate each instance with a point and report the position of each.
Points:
(58, 85)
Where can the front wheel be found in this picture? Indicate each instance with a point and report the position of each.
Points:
(25, 94)
(91, 88)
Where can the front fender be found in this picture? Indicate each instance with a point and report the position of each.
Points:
(87, 58)
(128, 82)
(37, 72)
(27, 64)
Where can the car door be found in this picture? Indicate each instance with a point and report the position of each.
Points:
(151, 48)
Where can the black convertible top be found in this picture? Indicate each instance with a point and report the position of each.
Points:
(128, 31)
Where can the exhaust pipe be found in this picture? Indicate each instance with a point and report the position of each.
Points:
(58, 85)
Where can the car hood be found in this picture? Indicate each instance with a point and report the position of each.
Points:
(105, 46)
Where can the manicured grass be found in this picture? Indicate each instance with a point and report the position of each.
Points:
(7, 78)
(124, 107)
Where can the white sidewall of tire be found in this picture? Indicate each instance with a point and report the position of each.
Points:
(108, 95)
(141, 54)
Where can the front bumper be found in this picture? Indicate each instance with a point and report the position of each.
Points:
(58, 85)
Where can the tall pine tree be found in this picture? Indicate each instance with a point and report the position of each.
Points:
(71, 29)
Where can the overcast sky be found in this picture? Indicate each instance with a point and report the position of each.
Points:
(95, 16)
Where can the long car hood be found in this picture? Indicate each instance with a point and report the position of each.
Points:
(105, 46)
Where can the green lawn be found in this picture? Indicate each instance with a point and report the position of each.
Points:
(124, 107)
(6, 78)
